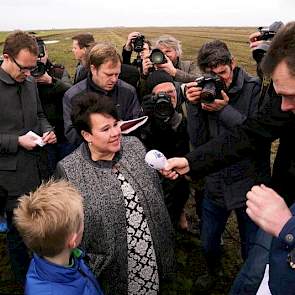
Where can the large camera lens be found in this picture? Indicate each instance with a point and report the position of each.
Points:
(157, 57)
(163, 107)
(208, 93)
(40, 69)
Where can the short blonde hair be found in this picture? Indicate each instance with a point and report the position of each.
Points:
(170, 42)
(48, 216)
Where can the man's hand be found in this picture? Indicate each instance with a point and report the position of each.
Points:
(217, 104)
(44, 79)
(129, 46)
(49, 137)
(267, 209)
(253, 40)
(193, 92)
(168, 67)
(175, 167)
(146, 66)
(27, 141)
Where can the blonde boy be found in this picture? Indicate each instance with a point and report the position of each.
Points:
(50, 220)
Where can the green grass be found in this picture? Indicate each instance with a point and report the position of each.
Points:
(191, 37)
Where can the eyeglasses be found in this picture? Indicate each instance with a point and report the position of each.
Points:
(22, 68)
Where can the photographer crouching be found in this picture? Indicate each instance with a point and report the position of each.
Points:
(53, 81)
(166, 131)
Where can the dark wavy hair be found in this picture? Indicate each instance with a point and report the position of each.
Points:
(87, 103)
(213, 54)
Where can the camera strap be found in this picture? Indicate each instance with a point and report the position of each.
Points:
(265, 84)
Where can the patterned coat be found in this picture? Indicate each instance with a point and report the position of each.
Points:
(105, 236)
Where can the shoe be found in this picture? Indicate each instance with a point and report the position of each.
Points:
(204, 283)
(207, 282)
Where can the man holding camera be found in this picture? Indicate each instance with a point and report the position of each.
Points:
(53, 81)
(227, 96)
(181, 71)
(166, 131)
(136, 42)
(265, 206)
(132, 72)
(21, 166)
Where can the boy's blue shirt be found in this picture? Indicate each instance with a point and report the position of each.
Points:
(44, 277)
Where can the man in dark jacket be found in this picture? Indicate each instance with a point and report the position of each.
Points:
(105, 67)
(180, 70)
(21, 168)
(53, 81)
(226, 189)
(265, 207)
(81, 44)
(128, 48)
(166, 131)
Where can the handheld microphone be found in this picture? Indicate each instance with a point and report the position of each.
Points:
(155, 159)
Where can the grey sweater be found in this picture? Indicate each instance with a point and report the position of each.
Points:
(105, 237)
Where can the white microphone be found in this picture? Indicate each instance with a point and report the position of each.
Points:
(155, 159)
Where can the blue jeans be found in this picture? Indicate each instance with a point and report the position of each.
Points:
(214, 219)
(251, 274)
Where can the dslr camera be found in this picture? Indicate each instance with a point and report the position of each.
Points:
(41, 48)
(267, 33)
(157, 57)
(211, 87)
(41, 67)
(162, 106)
(138, 43)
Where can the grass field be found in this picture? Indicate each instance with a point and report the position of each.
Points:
(190, 261)
(192, 38)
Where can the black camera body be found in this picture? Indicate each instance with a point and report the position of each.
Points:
(266, 34)
(211, 87)
(41, 48)
(138, 43)
(157, 57)
(163, 107)
(40, 69)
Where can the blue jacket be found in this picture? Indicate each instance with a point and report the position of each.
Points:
(44, 277)
(270, 250)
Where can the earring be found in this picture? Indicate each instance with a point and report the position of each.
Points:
(89, 143)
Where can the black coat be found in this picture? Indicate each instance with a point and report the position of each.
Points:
(269, 124)
(227, 187)
(51, 96)
(20, 112)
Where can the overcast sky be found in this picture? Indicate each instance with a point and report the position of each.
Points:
(42, 14)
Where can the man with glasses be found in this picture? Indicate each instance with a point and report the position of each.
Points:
(20, 156)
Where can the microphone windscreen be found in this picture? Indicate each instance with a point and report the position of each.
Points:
(155, 159)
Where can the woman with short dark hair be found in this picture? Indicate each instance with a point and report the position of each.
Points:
(128, 233)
